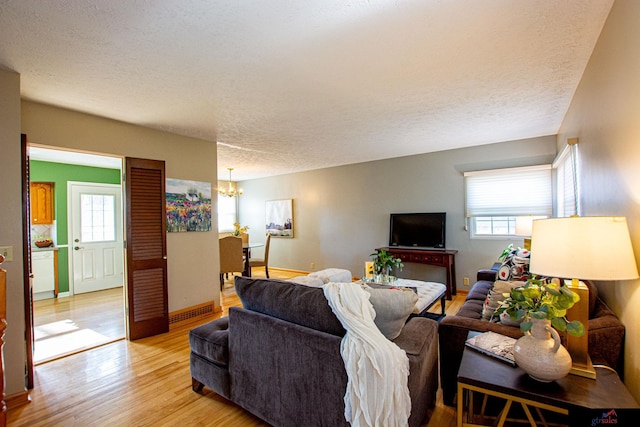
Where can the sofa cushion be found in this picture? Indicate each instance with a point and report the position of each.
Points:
(496, 295)
(480, 290)
(211, 341)
(393, 307)
(471, 309)
(295, 303)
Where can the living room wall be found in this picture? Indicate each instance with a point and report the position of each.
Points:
(341, 214)
(11, 227)
(192, 257)
(604, 116)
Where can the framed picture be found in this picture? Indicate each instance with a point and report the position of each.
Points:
(188, 205)
(279, 218)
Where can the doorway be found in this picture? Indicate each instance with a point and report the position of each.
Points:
(88, 311)
(95, 229)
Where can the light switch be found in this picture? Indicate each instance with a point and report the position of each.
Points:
(7, 251)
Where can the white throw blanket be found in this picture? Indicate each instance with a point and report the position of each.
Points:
(377, 369)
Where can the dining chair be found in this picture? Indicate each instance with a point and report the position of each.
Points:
(231, 257)
(264, 262)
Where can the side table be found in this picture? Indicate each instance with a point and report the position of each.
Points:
(512, 395)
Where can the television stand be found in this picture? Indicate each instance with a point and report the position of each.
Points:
(438, 257)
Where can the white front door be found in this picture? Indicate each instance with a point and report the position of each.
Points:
(95, 236)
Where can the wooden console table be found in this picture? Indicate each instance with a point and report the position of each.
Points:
(440, 258)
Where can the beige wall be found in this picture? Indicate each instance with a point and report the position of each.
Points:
(11, 227)
(605, 116)
(341, 214)
(192, 257)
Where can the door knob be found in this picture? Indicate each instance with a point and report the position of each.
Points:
(76, 248)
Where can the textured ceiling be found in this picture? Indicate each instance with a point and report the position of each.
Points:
(293, 85)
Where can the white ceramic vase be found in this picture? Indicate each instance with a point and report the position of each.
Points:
(540, 354)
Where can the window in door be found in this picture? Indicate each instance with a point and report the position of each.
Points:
(97, 217)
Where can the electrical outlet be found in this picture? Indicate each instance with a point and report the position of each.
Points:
(313, 266)
(465, 281)
(7, 251)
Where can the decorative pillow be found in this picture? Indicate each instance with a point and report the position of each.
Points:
(496, 296)
(392, 307)
(515, 265)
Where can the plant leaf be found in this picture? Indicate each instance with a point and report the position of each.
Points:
(526, 326)
(575, 328)
(559, 323)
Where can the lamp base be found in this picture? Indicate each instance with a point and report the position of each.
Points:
(584, 369)
(579, 346)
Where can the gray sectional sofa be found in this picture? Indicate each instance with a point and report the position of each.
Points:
(279, 356)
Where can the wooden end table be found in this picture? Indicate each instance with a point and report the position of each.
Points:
(512, 390)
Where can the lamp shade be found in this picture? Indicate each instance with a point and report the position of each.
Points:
(524, 224)
(593, 248)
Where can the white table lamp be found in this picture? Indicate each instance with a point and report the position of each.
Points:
(590, 248)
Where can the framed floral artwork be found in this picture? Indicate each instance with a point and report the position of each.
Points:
(188, 205)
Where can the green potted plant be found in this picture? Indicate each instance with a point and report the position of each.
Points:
(383, 265)
(539, 300)
(542, 307)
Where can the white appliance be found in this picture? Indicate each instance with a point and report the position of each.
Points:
(43, 269)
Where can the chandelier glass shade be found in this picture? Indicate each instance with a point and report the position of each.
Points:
(231, 190)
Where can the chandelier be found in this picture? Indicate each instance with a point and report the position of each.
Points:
(230, 191)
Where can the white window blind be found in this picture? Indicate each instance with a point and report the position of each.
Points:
(566, 165)
(509, 192)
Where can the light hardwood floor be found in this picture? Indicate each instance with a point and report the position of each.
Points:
(67, 325)
(147, 383)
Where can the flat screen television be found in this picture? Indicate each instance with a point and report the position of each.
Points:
(426, 230)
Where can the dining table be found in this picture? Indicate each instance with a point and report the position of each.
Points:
(246, 250)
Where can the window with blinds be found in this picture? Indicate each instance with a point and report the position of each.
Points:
(566, 167)
(496, 198)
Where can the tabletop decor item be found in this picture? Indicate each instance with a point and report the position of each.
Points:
(238, 230)
(541, 300)
(44, 243)
(541, 307)
(383, 264)
(540, 354)
(241, 231)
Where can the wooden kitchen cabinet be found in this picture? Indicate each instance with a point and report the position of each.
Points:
(41, 194)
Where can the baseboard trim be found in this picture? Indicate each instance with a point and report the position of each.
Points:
(17, 399)
(190, 313)
(287, 269)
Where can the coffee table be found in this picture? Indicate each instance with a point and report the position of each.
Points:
(485, 381)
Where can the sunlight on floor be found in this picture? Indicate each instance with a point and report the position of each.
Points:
(64, 337)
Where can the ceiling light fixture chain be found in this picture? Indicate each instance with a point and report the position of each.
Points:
(230, 191)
